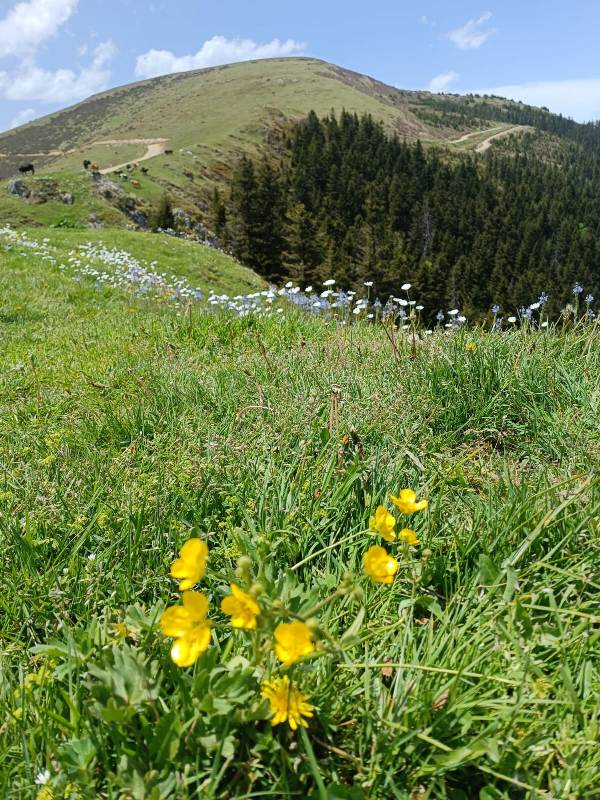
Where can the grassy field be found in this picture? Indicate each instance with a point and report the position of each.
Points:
(129, 425)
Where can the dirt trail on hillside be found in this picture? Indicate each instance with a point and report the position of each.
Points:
(154, 147)
(481, 148)
(495, 133)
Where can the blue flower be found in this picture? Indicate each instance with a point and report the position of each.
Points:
(577, 289)
(495, 309)
(440, 316)
(589, 298)
(543, 299)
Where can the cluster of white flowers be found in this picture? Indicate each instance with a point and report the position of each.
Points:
(116, 269)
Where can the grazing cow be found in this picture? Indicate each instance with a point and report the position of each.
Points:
(136, 184)
(24, 169)
(94, 167)
(144, 170)
(124, 176)
(87, 163)
(168, 152)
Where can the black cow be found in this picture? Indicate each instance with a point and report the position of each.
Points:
(24, 169)
(87, 164)
(144, 170)
(168, 152)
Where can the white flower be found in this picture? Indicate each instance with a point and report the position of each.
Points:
(308, 289)
(544, 324)
(42, 778)
(512, 319)
(453, 313)
(369, 283)
(357, 310)
(289, 285)
(329, 282)
(326, 293)
(370, 316)
(462, 319)
(412, 302)
(406, 286)
(534, 306)
(420, 308)
(403, 302)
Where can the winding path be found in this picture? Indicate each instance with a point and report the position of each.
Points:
(154, 147)
(495, 133)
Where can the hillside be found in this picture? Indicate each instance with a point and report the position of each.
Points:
(129, 425)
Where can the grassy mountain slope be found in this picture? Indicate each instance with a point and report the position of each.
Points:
(126, 427)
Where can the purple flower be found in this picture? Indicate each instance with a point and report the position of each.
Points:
(543, 299)
(440, 316)
(495, 309)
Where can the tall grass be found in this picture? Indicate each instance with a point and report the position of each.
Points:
(125, 428)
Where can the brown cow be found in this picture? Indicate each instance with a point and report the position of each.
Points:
(136, 184)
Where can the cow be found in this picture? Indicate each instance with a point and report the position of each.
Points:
(144, 170)
(87, 164)
(124, 176)
(168, 152)
(94, 167)
(24, 169)
(136, 184)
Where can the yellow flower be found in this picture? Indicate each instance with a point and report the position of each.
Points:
(470, 347)
(380, 565)
(409, 536)
(407, 502)
(241, 607)
(288, 704)
(292, 641)
(190, 567)
(383, 523)
(188, 625)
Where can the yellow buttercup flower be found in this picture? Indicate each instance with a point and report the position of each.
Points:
(241, 607)
(383, 523)
(409, 536)
(292, 641)
(288, 704)
(470, 347)
(188, 625)
(407, 502)
(380, 565)
(190, 567)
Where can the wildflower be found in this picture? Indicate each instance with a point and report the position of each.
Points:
(577, 289)
(188, 625)
(288, 704)
(329, 282)
(440, 316)
(190, 567)
(453, 312)
(407, 502)
(589, 298)
(495, 309)
(379, 565)
(368, 284)
(42, 778)
(512, 319)
(293, 640)
(534, 306)
(409, 536)
(470, 347)
(406, 286)
(402, 302)
(241, 607)
(383, 523)
(420, 308)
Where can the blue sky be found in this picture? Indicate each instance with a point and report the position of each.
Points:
(54, 53)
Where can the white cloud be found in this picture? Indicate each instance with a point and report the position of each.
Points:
(473, 34)
(29, 82)
(213, 52)
(28, 25)
(441, 82)
(579, 99)
(22, 117)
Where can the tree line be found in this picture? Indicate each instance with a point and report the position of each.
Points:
(346, 201)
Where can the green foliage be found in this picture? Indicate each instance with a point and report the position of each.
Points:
(347, 202)
(127, 427)
(162, 217)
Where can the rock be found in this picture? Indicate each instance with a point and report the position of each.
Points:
(140, 219)
(19, 189)
(182, 218)
(67, 198)
(94, 222)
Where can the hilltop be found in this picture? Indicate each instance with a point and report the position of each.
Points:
(194, 125)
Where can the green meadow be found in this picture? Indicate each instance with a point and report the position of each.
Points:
(130, 424)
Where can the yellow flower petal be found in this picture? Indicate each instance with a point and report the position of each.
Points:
(190, 567)
(293, 640)
(407, 502)
(379, 565)
(383, 523)
(241, 607)
(288, 704)
(187, 649)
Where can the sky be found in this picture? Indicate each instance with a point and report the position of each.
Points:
(54, 53)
